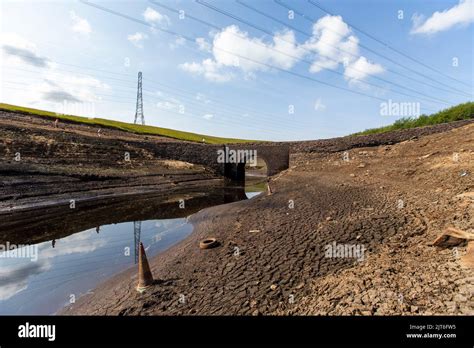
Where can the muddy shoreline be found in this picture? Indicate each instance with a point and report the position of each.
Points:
(55, 219)
(272, 255)
(258, 246)
(281, 266)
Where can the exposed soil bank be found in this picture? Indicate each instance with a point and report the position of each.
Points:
(272, 259)
(41, 163)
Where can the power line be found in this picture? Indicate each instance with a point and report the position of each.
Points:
(193, 116)
(339, 49)
(188, 40)
(389, 46)
(312, 20)
(334, 71)
(200, 108)
(213, 110)
(271, 116)
(231, 53)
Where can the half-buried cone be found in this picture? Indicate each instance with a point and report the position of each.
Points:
(145, 278)
(269, 188)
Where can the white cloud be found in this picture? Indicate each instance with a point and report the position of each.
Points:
(202, 98)
(166, 105)
(180, 41)
(203, 44)
(318, 105)
(170, 103)
(334, 44)
(208, 116)
(358, 70)
(210, 69)
(80, 25)
(231, 47)
(154, 17)
(75, 244)
(49, 88)
(14, 278)
(331, 45)
(137, 39)
(231, 43)
(460, 14)
(67, 92)
(20, 51)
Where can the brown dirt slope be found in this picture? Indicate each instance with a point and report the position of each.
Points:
(393, 200)
(77, 161)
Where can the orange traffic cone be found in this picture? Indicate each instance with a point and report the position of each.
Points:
(145, 278)
(269, 189)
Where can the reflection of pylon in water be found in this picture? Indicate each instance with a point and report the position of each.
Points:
(137, 230)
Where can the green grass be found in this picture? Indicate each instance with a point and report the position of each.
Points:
(456, 113)
(129, 127)
(459, 112)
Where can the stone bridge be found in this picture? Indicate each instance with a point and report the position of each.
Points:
(228, 160)
(41, 145)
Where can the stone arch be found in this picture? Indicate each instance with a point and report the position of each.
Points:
(276, 156)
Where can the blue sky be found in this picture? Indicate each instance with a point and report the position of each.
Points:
(318, 78)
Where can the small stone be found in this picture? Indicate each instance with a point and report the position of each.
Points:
(299, 286)
(273, 287)
(352, 175)
(459, 298)
(451, 306)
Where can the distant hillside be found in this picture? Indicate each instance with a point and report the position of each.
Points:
(129, 127)
(456, 113)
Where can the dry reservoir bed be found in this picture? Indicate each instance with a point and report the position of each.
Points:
(392, 200)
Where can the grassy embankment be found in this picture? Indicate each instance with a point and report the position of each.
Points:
(456, 113)
(129, 127)
(459, 112)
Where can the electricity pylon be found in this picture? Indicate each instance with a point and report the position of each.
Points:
(139, 111)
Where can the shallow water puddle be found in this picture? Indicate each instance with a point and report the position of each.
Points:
(70, 266)
(43, 277)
